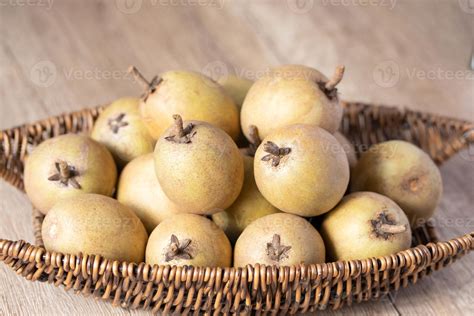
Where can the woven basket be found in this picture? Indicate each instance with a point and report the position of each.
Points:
(254, 289)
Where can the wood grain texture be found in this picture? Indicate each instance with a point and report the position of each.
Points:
(76, 53)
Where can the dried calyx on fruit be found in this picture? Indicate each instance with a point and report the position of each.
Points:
(178, 249)
(275, 153)
(117, 122)
(193, 95)
(384, 226)
(276, 251)
(65, 174)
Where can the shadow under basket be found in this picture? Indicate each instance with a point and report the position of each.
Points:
(254, 289)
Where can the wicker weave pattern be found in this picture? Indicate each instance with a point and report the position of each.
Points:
(259, 288)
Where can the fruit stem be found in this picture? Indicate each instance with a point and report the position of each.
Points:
(150, 86)
(138, 76)
(385, 226)
(253, 135)
(183, 134)
(178, 122)
(392, 229)
(254, 140)
(336, 78)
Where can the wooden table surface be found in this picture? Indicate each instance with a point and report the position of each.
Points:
(61, 56)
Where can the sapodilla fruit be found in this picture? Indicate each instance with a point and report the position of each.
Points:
(348, 148)
(301, 169)
(67, 165)
(139, 189)
(236, 87)
(404, 173)
(94, 224)
(193, 95)
(279, 239)
(121, 129)
(199, 167)
(292, 94)
(253, 142)
(188, 239)
(365, 225)
(249, 206)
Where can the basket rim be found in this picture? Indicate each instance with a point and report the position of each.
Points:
(22, 250)
(467, 126)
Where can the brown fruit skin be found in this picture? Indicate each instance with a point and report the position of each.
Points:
(306, 244)
(236, 87)
(139, 189)
(94, 163)
(311, 179)
(129, 141)
(348, 149)
(194, 97)
(404, 173)
(289, 95)
(349, 234)
(249, 206)
(209, 245)
(204, 176)
(94, 224)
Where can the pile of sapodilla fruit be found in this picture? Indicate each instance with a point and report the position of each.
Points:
(161, 179)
